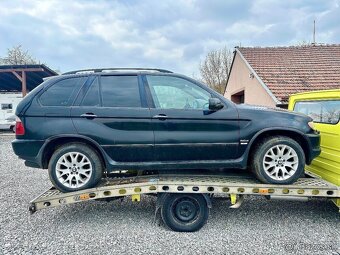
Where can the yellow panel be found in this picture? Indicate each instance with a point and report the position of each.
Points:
(327, 165)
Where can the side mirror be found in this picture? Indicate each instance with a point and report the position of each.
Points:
(215, 104)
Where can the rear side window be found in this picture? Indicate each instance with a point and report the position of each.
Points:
(62, 92)
(120, 91)
(327, 112)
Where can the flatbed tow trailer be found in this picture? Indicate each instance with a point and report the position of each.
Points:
(184, 200)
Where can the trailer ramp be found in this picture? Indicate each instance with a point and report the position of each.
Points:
(230, 186)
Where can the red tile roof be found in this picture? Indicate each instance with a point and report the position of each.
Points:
(288, 70)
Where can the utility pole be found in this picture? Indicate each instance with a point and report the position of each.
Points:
(314, 33)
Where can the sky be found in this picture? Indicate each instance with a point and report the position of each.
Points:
(170, 34)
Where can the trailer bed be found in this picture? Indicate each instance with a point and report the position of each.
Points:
(230, 186)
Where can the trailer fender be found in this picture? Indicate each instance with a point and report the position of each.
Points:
(161, 197)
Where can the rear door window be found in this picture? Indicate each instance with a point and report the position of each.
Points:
(62, 92)
(120, 91)
(327, 112)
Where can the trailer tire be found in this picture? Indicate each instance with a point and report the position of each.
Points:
(86, 167)
(184, 212)
(281, 155)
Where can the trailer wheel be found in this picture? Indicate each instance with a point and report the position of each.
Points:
(184, 212)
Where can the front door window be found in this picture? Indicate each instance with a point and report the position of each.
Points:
(170, 92)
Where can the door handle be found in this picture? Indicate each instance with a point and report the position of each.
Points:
(88, 115)
(160, 117)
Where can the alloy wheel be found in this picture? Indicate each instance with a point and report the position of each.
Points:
(73, 169)
(280, 162)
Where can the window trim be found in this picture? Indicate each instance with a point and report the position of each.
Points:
(84, 89)
(149, 98)
(86, 92)
(317, 101)
(142, 92)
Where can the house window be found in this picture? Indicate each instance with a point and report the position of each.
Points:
(238, 98)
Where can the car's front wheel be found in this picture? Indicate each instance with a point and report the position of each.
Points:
(75, 166)
(278, 160)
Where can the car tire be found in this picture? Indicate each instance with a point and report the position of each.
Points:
(184, 212)
(75, 166)
(12, 128)
(278, 160)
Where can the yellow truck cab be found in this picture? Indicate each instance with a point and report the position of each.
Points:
(324, 107)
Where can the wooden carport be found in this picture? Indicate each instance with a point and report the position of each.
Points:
(14, 78)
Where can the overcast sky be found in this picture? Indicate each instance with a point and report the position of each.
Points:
(175, 35)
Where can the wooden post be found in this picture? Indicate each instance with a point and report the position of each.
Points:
(23, 84)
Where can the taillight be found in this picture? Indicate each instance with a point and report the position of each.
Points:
(19, 127)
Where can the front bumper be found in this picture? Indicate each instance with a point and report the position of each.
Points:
(314, 147)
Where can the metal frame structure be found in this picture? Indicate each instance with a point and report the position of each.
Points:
(234, 187)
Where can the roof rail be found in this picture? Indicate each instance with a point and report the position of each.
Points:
(102, 70)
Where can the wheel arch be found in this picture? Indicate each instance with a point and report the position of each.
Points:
(291, 133)
(54, 142)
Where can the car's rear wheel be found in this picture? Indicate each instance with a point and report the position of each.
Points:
(278, 160)
(75, 166)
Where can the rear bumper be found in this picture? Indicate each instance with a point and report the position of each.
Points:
(314, 148)
(28, 150)
(5, 126)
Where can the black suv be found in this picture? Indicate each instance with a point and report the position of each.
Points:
(84, 123)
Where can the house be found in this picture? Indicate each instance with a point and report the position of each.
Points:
(269, 75)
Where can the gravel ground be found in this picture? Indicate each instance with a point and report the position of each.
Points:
(258, 227)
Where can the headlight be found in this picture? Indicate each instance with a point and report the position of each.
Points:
(311, 125)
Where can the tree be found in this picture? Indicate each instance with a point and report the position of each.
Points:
(304, 43)
(17, 56)
(215, 68)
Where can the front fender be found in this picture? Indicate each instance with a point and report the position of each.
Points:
(290, 132)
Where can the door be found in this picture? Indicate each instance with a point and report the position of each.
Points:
(184, 127)
(113, 112)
